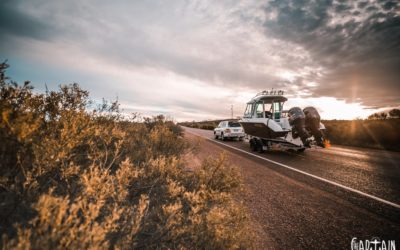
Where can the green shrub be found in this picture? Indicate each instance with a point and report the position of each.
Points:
(77, 176)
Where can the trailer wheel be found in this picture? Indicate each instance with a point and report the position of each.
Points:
(253, 146)
(260, 148)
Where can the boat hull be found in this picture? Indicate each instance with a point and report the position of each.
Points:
(260, 129)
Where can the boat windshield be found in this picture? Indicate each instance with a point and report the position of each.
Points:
(264, 110)
(277, 109)
(268, 107)
(259, 110)
(248, 111)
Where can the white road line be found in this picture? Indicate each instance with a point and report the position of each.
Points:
(305, 173)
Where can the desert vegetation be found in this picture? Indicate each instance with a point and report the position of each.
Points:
(389, 114)
(381, 134)
(208, 125)
(78, 175)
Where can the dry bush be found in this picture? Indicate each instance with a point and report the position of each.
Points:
(208, 125)
(383, 134)
(74, 178)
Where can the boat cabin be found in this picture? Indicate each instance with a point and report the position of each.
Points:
(266, 105)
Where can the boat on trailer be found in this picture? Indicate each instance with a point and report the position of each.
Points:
(268, 126)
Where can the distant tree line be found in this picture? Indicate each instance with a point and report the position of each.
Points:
(393, 113)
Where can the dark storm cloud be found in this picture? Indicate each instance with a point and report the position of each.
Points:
(15, 21)
(360, 53)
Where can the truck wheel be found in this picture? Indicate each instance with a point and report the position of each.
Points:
(222, 137)
(215, 136)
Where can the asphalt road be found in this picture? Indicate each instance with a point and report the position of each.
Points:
(321, 198)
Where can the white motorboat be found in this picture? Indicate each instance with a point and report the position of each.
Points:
(268, 126)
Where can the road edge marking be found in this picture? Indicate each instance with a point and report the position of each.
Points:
(305, 173)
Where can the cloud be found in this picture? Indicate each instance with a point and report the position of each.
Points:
(14, 21)
(199, 57)
(211, 41)
(356, 43)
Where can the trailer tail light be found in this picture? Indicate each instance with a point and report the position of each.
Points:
(327, 143)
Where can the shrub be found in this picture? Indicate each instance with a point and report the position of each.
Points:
(208, 125)
(77, 176)
(365, 133)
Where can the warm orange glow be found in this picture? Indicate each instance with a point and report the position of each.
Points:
(327, 143)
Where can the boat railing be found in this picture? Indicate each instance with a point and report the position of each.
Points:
(270, 93)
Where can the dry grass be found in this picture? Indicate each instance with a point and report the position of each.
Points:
(73, 178)
(382, 134)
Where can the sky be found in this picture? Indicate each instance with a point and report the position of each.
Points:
(193, 60)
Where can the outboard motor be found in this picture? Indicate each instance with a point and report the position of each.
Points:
(297, 121)
(312, 122)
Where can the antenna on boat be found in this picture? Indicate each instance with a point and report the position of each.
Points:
(231, 111)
